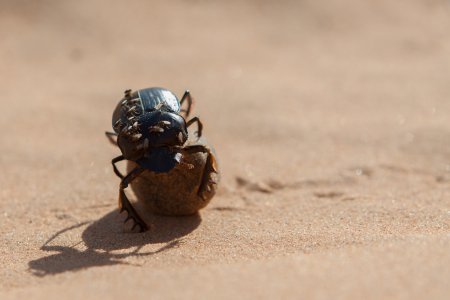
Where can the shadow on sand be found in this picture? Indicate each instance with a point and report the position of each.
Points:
(106, 235)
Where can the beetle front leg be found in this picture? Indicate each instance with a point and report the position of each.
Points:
(199, 125)
(125, 204)
(186, 96)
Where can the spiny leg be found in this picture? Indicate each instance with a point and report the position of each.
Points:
(186, 96)
(116, 170)
(210, 168)
(199, 125)
(124, 203)
(110, 136)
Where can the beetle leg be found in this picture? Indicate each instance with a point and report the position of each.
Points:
(116, 170)
(124, 203)
(186, 96)
(210, 168)
(110, 136)
(207, 180)
(199, 125)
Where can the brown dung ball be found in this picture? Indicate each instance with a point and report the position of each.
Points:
(183, 190)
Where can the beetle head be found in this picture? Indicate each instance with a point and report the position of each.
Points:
(150, 131)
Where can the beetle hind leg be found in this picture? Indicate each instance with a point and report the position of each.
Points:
(125, 205)
(208, 181)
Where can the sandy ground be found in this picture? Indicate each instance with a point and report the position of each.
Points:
(330, 118)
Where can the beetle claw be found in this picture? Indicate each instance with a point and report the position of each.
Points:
(125, 205)
(206, 186)
(136, 222)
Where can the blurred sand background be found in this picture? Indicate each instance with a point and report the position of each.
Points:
(330, 118)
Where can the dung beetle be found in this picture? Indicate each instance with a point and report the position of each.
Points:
(171, 172)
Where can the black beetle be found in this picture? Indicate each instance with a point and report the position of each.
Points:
(152, 135)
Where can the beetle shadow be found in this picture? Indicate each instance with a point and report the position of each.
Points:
(106, 235)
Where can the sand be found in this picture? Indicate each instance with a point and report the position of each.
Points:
(331, 123)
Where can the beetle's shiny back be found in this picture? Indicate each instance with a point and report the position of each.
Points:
(144, 100)
(159, 98)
